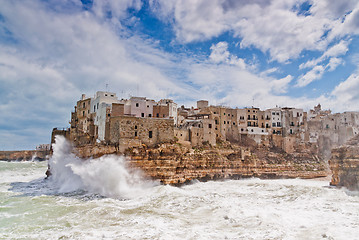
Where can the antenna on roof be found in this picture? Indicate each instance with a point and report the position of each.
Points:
(106, 86)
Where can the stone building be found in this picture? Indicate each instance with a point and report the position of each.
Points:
(197, 130)
(100, 105)
(129, 130)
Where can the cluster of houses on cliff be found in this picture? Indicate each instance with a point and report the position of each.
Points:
(132, 122)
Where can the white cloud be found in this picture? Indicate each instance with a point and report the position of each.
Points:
(220, 54)
(339, 49)
(334, 63)
(348, 91)
(274, 26)
(314, 74)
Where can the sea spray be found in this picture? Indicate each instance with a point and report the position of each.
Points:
(108, 175)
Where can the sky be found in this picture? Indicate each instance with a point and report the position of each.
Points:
(236, 53)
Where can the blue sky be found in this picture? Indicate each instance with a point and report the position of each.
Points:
(235, 53)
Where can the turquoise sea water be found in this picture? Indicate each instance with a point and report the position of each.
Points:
(34, 208)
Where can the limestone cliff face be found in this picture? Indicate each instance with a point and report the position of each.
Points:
(344, 165)
(175, 164)
(23, 155)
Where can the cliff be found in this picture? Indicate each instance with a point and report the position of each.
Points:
(344, 164)
(176, 164)
(24, 155)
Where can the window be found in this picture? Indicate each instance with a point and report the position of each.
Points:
(94, 108)
(273, 125)
(249, 124)
(112, 95)
(242, 129)
(83, 113)
(157, 115)
(224, 114)
(273, 113)
(216, 121)
(150, 115)
(229, 115)
(137, 105)
(251, 130)
(278, 124)
(249, 117)
(164, 115)
(214, 113)
(135, 134)
(209, 125)
(142, 115)
(97, 105)
(135, 126)
(234, 123)
(84, 105)
(224, 122)
(249, 110)
(291, 131)
(150, 134)
(105, 95)
(148, 106)
(227, 122)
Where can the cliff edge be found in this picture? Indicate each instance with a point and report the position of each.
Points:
(176, 164)
(344, 164)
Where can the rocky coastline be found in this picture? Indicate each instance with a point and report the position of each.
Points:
(24, 155)
(175, 164)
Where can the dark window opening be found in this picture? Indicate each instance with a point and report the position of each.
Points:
(142, 115)
(150, 134)
(135, 126)
(150, 115)
(137, 105)
(157, 115)
(135, 134)
(209, 125)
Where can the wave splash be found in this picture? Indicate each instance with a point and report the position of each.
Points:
(108, 175)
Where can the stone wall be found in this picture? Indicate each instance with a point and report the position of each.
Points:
(150, 131)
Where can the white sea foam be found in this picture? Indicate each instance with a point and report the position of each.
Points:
(108, 175)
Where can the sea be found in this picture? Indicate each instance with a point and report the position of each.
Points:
(104, 199)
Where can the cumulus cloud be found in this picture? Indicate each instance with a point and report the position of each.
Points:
(220, 54)
(276, 26)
